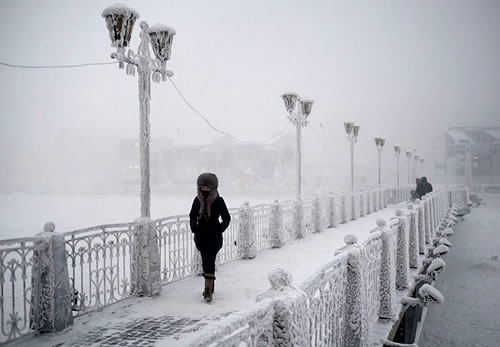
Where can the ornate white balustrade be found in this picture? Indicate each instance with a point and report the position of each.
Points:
(100, 259)
(326, 297)
(308, 215)
(262, 224)
(345, 297)
(99, 265)
(287, 213)
(16, 262)
(178, 254)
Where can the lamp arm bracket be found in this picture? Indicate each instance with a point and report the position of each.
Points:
(124, 59)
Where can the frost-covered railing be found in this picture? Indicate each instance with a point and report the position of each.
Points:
(326, 291)
(15, 287)
(178, 254)
(373, 263)
(253, 328)
(287, 211)
(347, 295)
(229, 251)
(325, 211)
(99, 265)
(308, 215)
(102, 261)
(262, 225)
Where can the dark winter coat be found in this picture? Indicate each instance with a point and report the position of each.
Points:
(426, 186)
(208, 230)
(420, 188)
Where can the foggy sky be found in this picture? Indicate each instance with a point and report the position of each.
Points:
(405, 70)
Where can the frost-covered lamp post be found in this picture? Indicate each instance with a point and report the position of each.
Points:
(409, 155)
(298, 112)
(417, 158)
(397, 151)
(120, 21)
(422, 166)
(352, 132)
(380, 142)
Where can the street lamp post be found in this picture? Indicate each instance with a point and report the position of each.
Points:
(409, 155)
(352, 132)
(298, 113)
(417, 158)
(379, 142)
(120, 22)
(421, 172)
(397, 151)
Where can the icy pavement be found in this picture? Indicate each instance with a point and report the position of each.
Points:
(470, 313)
(179, 311)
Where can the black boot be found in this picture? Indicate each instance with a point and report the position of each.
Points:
(209, 287)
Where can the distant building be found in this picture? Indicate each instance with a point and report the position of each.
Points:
(485, 146)
(240, 165)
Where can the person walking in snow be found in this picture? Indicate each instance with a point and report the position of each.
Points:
(426, 186)
(420, 188)
(207, 207)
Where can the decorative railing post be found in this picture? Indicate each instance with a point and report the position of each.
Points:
(402, 261)
(343, 213)
(51, 293)
(436, 212)
(332, 216)
(316, 216)
(276, 226)
(298, 219)
(145, 267)
(413, 245)
(291, 311)
(247, 240)
(420, 226)
(427, 223)
(356, 322)
(387, 291)
(431, 215)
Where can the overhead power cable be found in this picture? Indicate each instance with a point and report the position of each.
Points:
(198, 113)
(54, 66)
(282, 132)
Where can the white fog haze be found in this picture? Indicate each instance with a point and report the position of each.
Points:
(249, 173)
(407, 71)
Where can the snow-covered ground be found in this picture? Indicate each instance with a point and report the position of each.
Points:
(23, 215)
(470, 315)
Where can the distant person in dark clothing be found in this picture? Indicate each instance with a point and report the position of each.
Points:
(426, 186)
(420, 188)
(208, 207)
